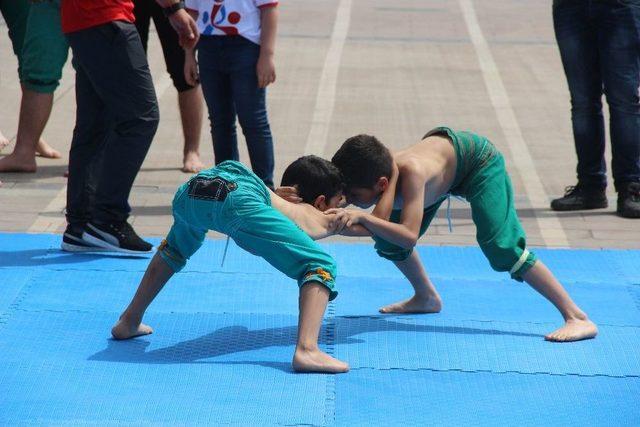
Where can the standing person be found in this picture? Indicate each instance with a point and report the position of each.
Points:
(599, 45)
(189, 97)
(235, 57)
(116, 119)
(41, 49)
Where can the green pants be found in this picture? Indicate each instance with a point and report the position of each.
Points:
(232, 200)
(38, 42)
(482, 179)
(15, 14)
(45, 48)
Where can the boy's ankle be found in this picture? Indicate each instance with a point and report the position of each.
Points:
(307, 347)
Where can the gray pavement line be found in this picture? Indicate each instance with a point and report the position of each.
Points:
(48, 223)
(551, 228)
(326, 97)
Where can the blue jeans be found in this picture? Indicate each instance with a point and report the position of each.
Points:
(230, 86)
(599, 43)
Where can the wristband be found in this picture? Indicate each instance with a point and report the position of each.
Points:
(170, 10)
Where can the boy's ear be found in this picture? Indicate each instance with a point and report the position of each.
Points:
(382, 184)
(320, 203)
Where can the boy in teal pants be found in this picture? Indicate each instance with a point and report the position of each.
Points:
(231, 199)
(445, 162)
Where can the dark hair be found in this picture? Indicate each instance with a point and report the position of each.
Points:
(313, 176)
(362, 160)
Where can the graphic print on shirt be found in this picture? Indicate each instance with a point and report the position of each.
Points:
(218, 16)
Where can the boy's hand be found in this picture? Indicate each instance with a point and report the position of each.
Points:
(191, 69)
(265, 70)
(345, 217)
(290, 194)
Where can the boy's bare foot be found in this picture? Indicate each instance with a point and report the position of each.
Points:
(123, 330)
(415, 304)
(574, 330)
(317, 361)
(191, 162)
(45, 150)
(14, 163)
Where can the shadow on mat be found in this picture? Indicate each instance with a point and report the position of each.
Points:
(237, 339)
(40, 257)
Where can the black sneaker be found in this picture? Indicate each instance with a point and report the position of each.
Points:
(629, 200)
(579, 197)
(116, 236)
(72, 241)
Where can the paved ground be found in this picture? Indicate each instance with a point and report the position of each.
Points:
(391, 69)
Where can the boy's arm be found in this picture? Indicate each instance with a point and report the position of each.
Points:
(406, 233)
(266, 68)
(385, 204)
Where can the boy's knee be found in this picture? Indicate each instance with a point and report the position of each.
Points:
(172, 256)
(516, 262)
(390, 251)
(323, 273)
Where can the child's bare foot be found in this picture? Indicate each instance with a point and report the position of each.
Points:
(317, 361)
(574, 330)
(14, 163)
(415, 304)
(191, 162)
(45, 150)
(124, 330)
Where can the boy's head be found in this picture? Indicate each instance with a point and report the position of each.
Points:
(317, 180)
(366, 166)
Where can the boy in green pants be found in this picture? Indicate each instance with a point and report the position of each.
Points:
(231, 199)
(444, 163)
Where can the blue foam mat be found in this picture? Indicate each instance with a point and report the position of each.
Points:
(225, 334)
(423, 342)
(484, 399)
(503, 300)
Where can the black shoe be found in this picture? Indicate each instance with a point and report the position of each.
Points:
(115, 236)
(629, 200)
(72, 240)
(579, 197)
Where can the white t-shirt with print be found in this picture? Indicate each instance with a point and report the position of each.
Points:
(229, 17)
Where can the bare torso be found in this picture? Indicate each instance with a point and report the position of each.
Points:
(434, 160)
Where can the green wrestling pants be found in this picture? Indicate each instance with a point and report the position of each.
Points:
(231, 199)
(482, 179)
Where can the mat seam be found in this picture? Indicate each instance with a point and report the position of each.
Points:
(330, 343)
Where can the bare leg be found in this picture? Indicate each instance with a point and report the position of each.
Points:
(577, 325)
(34, 113)
(129, 325)
(426, 298)
(191, 107)
(308, 357)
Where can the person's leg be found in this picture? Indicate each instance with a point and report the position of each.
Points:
(142, 11)
(267, 233)
(503, 241)
(190, 100)
(577, 325)
(619, 49)
(181, 243)
(250, 102)
(425, 298)
(130, 325)
(576, 39)
(89, 136)
(191, 104)
(216, 88)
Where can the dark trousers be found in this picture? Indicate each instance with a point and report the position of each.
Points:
(599, 43)
(145, 11)
(116, 119)
(227, 67)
